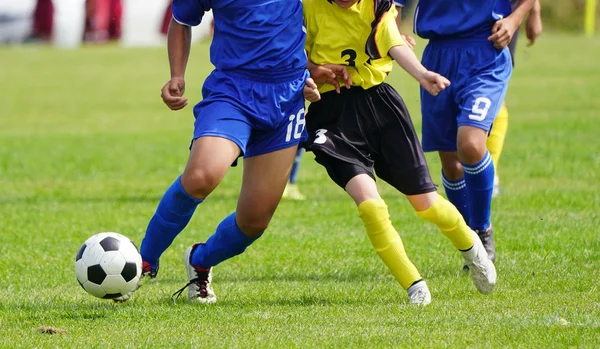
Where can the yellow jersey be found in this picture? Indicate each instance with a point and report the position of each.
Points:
(359, 37)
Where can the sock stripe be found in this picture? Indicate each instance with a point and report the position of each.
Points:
(453, 185)
(478, 168)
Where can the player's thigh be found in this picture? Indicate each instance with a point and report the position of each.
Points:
(221, 134)
(264, 180)
(210, 158)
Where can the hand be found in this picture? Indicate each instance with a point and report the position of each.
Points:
(503, 31)
(409, 40)
(332, 74)
(311, 92)
(533, 27)
(172, 94)
(433, 83)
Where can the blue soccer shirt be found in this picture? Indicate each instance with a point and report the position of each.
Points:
(442, 19)
(264, 37)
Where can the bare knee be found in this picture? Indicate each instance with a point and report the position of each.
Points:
(471, 150)
(199, 183)
(451, 165)
(422, 202)
(471, 144)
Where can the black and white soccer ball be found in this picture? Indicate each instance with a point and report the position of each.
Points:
(108, 265)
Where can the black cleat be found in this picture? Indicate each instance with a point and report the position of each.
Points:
(487, 239)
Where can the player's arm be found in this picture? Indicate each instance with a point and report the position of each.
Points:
(179, 39)
(504, 29)
(186, 13)
(432, 82)
(533, 26)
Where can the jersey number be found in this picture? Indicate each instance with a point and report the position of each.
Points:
(351, 57)
(320, 136)
(480, 108)
(295, 131)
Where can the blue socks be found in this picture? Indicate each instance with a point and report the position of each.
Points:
(228, 241)
(172, 215)
(296, 166)
(457, 194)
(479, 179)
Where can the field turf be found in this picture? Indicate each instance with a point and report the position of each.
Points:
(86, 145)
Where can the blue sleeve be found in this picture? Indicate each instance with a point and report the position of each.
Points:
(400, 2)
(189, 12)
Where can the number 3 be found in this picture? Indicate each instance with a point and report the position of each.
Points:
(352, 57)
(321, 138)
(480, 108)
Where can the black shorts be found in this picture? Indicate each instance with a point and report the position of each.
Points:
(368, 131)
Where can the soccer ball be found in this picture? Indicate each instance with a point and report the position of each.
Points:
(108, 265)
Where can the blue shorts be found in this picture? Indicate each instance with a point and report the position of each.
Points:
(260, 117)
(479, 76)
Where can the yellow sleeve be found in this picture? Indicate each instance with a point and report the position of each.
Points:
(387, 34)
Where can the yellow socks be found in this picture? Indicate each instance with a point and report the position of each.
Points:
(387, 242)
(495, 141)
(443, 214)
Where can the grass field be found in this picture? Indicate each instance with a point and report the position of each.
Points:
(87, 146)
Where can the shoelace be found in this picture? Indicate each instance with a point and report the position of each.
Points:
(201, 282)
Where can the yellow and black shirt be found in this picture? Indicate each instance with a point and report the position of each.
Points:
(359, 37)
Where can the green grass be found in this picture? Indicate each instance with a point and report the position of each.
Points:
(87, 146)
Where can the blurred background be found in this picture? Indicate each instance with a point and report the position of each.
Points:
(69, 23)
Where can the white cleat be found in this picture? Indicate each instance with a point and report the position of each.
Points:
(199, 286)
(419, 294)
(483, 272)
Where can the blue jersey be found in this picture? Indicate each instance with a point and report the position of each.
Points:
(446, 19)
(262, 38)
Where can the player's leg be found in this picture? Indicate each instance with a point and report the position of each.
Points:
(351, 169)
(209, 160)
(495, 142)
(291, 189)
(263, 182)
(400, 161)
(276, 130)
(360, 185)
(482, 97)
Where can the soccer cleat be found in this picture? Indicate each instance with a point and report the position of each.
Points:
(147, 271)
(292, 192)
(419, 293)
(483, 272)
(487, 239)
(199, 285)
